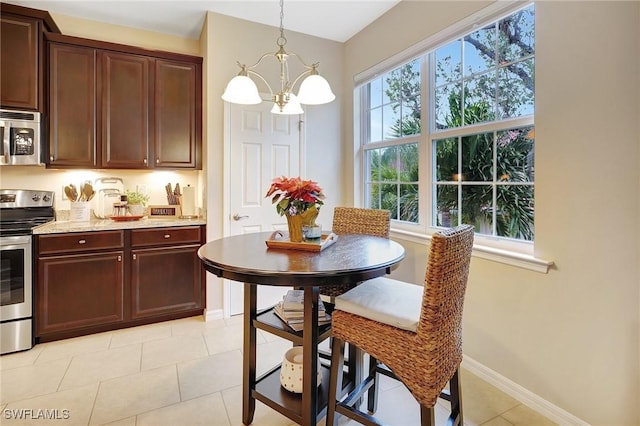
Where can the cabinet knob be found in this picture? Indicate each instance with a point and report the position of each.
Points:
(145, 161)
(82, 242)
(119, 258)
(157, 161)
(51, 158)
(167, 236)
(135, 257)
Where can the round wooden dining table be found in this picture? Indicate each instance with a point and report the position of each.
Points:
(247, 259)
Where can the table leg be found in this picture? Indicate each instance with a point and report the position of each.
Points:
(249, 354)
(310, 357)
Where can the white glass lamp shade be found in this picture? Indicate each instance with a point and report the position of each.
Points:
(242, 90)
(291, 108)
(315, 90)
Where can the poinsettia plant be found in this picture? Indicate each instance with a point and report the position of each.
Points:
(294, 196)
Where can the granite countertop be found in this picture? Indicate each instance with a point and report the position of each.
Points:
(61, 227)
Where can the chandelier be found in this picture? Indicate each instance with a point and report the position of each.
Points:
(314, 89)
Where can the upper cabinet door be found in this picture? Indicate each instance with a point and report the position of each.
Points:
(178, 112)
(72, 106)
(126, 89)
(19, 74)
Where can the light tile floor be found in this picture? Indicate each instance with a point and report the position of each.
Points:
(183, 373)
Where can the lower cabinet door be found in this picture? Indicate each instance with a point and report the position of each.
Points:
(165, 280)
(76, 291)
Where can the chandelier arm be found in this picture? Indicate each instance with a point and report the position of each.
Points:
(261, 78)
(314, 65)
(304, 74)
(258, 62)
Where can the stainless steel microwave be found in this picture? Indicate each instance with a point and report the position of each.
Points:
(20, 135)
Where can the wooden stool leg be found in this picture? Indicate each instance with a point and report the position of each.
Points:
(372, 396)
(427, 416)
(455, 389)
(335, 379)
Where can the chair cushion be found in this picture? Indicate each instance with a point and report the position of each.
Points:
(385, 300)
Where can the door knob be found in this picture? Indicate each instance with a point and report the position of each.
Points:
(239, 217)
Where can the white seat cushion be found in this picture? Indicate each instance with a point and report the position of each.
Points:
(385, 300)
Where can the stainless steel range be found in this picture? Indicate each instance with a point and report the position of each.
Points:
(20, 211)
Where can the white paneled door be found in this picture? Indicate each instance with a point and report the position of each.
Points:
(262, 146)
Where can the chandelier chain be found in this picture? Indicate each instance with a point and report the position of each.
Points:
(282, 40)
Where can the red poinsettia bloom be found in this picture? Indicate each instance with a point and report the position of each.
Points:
(294, 195)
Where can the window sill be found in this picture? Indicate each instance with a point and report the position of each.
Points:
(506, 257)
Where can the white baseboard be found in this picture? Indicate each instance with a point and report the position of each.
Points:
(213, 314)
(526, 397)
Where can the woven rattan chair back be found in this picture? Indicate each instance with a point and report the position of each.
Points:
(425, 360)
(440, 327)
(354, 220)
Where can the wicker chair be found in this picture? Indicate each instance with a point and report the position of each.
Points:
(412, 333)
(353, 220)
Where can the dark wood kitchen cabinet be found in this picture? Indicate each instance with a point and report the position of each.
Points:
(21, 67)
(72, 111)
(177, 116)
(148, 107)
(126, 85)
(166, 274)
(80, 281)
(90, 282)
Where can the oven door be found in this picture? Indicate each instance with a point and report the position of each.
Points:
(15, 278)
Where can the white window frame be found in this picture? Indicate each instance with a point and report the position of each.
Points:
(513, 252)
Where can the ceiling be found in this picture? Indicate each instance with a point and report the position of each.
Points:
(333, 20)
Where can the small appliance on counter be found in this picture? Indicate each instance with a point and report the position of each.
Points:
(108, 191)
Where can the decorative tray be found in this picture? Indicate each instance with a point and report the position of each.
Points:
(280, 240)
(125, 218)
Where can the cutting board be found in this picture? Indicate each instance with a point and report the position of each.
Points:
(108, 191)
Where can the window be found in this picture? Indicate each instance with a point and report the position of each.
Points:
(393, 107)
(477, 146)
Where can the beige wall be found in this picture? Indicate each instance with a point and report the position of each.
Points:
(94, 30)
(570, 336)
(227, 40)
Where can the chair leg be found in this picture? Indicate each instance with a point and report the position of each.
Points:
(335, 379)
(372, 396)
(427, 416)
(455, 390)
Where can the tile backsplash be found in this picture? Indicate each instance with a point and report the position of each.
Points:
(153, 182)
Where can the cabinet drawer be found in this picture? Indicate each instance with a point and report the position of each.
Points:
(165, 236)
(81, 241)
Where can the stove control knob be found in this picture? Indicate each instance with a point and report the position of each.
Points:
(46, 198)
(35, 197)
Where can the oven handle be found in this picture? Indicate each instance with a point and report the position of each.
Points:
(5, 141)
(16, 240)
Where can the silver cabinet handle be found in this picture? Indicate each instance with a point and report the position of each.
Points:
(119, 258)
(167, 236)
(82, 242)
(157, 161)
(145, 161)
(240, 217)
(135, 257)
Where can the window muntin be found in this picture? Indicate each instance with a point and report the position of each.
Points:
(479, 89)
